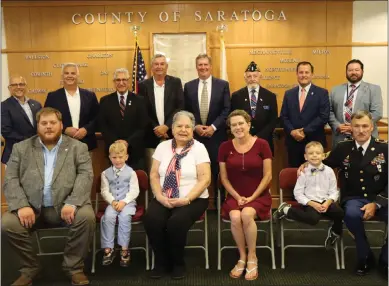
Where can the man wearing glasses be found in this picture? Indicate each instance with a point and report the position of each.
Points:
(17, 116)
(123, 117)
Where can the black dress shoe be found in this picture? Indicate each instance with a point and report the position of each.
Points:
(364, 266)
(178, 272)
(156, 273)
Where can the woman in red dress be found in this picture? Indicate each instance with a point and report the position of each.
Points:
(246, 172)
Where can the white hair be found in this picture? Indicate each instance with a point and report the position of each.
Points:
(184, 113)
(121, 70)
(156, 56)
(65, 65)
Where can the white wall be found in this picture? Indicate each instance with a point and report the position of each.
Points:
(4, 63)
(370, 25)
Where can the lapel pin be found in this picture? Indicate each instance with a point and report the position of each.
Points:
(32, 104)
(245, 99)
(129, 103)
(312, 93)
(352, 149)
(372, 149)
(260, 99)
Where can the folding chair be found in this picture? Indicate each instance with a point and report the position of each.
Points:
(203, 220)
(372, 222)
(40, 237)
(224, 218)
(287, 180)
(136, 219)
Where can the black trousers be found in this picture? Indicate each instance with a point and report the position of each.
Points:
(296, 151)
(167, 230)
(311, 216)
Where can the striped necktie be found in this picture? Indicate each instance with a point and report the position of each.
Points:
(253, 101)
(349, 104)
(204, 103)
(122, 105)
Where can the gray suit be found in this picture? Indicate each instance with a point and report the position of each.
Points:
(369, 98)
(71, 184)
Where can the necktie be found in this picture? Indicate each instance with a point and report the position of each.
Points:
(360, 150)
(253, 101)
(117, 172)
(204, 103)
(302, 98)
(349, 104)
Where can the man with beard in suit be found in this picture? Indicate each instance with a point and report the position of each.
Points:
(123, 118)
(164, 97)
(351, 97)
(259, 102)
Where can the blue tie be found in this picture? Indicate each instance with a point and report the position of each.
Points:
(253, 101)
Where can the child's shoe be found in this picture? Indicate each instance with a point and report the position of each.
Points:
(331, 239)
(124, 258)
(109, 256)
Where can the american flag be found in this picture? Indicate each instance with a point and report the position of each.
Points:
(138, 69)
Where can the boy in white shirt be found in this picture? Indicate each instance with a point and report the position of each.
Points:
(316, 190)
(119, 188)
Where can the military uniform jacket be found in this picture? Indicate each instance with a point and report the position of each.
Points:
(365, 177)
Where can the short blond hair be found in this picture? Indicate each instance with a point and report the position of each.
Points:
(118, 148)
(314, 144)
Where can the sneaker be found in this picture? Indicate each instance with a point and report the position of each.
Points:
(124, 258)
(109, 256)
(331, 239)
(279, 213)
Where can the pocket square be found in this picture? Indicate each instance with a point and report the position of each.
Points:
(267, 107)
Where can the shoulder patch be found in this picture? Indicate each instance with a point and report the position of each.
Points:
(381, 141)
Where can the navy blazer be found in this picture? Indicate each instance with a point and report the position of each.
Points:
(88, 112)
(219, 106)
(15, 125)
(313, 117)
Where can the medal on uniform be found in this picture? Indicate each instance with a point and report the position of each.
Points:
(346, 175)
(376, 177)
(379, 168)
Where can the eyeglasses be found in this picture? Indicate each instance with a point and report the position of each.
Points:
(117, 80)
(17, 85)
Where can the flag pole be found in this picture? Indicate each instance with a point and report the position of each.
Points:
(135, 30)
(223, 58)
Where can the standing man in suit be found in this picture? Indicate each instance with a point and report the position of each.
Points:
(208, 98)
(48, 183)
(79, 107)
(305, 111)
(164, 97)
(259, 102)
(364, 186)
(123, 118)
(351, 97)
(17, 116)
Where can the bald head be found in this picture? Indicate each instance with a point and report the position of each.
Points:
(17, 86)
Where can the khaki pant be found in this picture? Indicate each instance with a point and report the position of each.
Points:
(76, 248)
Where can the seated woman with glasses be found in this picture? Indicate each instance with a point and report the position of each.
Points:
(245, 172)
(179, 177)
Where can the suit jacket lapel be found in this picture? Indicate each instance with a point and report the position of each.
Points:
(34, 110)
(296, 99)
(61, 156)
(259, 106)
(166, 92)
(83, 103)
(308, 97)
(196, 95)
(362, 91)
(39, 158)
(212, 95)
(150, 92)
(17, 104)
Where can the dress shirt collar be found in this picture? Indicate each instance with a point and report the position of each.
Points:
(356, 84)
(26, 99)
(364, 145)
(125, 96)
(77, 93)
(307, 88)
(208, 80)
(256, 89)
(56, 145)
(157, 85)
(314, 169)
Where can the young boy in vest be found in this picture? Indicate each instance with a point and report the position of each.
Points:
(316, 190)
(119, 188)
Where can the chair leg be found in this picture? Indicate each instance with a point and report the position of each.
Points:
(147, 253)
(94, 253)
(38, 239)
(282, 244)
(206, 240)
(336, 249)
(273, 260)
(219, 240)
(152, 259)
(342, 252)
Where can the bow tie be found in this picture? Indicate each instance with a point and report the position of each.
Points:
(315, 170)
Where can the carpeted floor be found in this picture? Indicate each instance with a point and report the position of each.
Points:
(303, 266)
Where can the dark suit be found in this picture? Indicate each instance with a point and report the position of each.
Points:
(362, 180)
(173, 102)
(219, 108)
(89, 111)
(266, 113)
(131, 128)
(313, 117)
(15, 125)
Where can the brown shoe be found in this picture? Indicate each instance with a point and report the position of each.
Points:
(22, 281)
(80, 278)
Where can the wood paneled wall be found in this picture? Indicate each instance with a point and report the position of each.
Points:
(46, 28)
